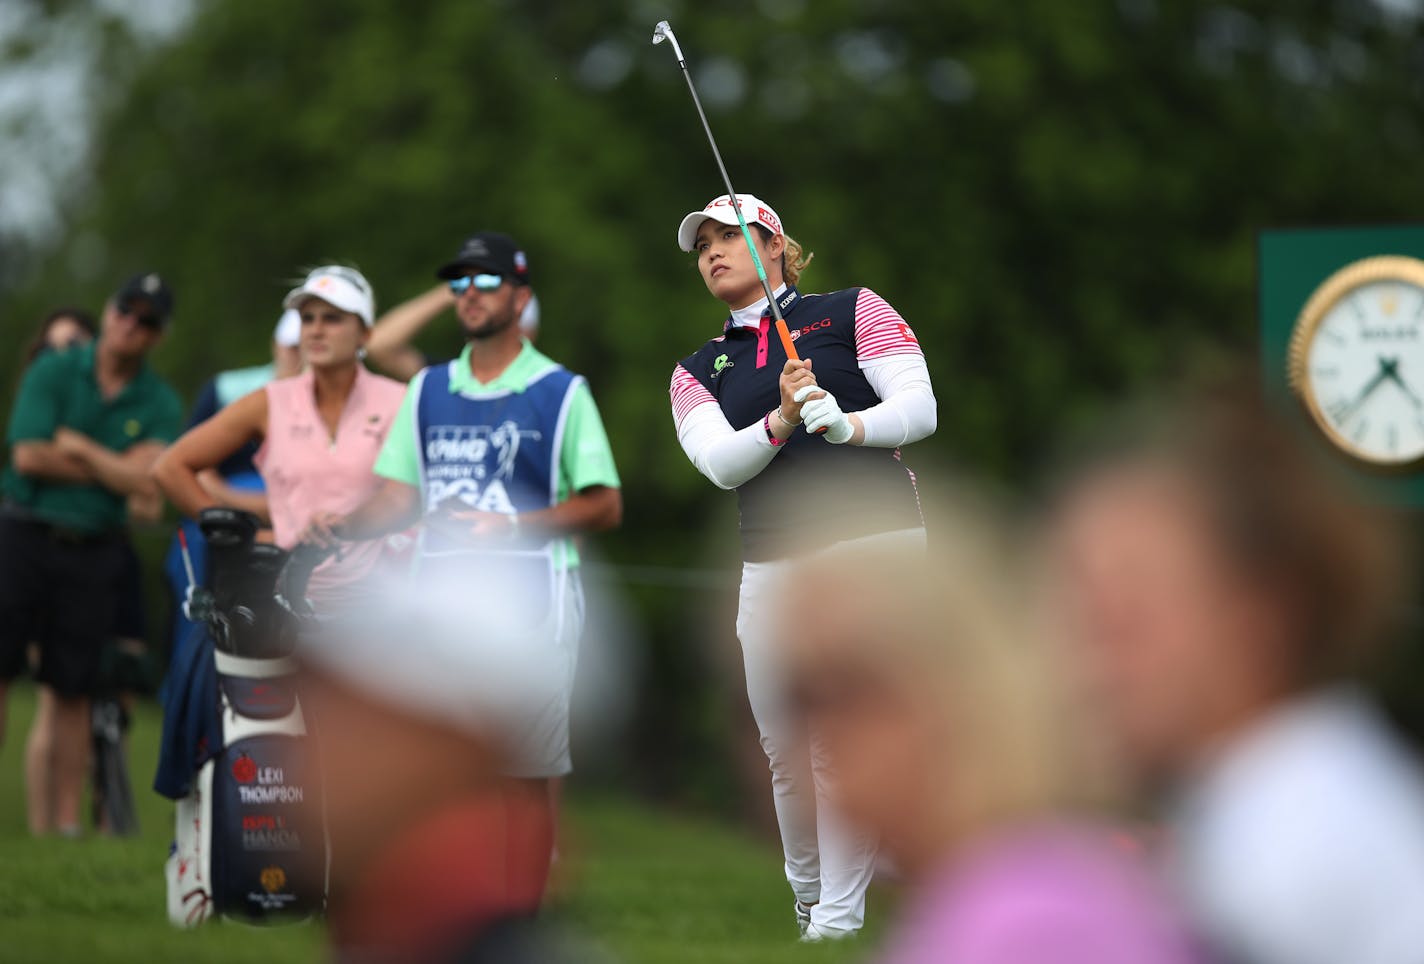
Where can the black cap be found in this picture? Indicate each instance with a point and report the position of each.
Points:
(150, 287)
(488, 251)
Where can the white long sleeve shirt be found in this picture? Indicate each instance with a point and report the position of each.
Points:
(888, 356)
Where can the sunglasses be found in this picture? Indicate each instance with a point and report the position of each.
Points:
(145, 320)
(481, 282)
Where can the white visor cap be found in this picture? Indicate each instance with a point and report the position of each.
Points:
(754, 210)
(346, 288)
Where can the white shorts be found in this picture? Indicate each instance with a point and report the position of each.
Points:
(540, 747)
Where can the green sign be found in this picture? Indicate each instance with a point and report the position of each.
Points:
(1292, 265)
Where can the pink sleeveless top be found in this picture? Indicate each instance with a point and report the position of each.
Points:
(307, 471)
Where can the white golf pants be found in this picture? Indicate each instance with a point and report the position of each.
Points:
(828, 863)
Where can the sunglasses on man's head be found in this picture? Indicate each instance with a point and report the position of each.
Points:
(144, 319)
(481, 282)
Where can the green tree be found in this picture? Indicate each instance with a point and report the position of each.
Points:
(1063, 200)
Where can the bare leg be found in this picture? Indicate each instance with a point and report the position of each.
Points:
(529, 836)
(73, 738)
(556, 802)
(39, 760)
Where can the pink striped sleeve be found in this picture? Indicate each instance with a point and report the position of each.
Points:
(880, 332)
(687, 393)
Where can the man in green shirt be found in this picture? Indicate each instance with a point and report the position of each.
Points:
(86, 427)
(503, 456)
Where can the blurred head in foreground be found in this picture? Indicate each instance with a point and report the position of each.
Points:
(421, 702)
(922, 676)
(1208, 570)
(926, 682)
(1219, 591)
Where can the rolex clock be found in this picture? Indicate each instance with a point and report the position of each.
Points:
(1356, 360)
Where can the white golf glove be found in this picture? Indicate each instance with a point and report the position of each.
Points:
(824, 413)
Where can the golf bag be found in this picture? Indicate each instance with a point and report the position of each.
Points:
(237, 755)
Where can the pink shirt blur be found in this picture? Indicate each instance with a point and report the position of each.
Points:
(307, 471)
(1044, 895)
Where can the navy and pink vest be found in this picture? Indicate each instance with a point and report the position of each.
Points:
(813, 494)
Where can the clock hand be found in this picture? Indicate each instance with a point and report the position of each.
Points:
(1351, 408)
(1392, 373)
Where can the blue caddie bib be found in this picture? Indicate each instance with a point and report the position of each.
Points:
(492, 451)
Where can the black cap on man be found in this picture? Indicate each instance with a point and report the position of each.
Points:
(148, 296)
(488, 251)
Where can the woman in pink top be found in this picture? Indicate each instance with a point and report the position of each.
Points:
(320, 431)
(940, 714)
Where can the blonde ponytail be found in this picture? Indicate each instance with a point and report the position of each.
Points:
(794, 258)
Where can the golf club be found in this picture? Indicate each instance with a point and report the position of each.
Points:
(663, 31)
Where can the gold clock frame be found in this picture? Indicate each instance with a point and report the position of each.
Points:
(1387, 267)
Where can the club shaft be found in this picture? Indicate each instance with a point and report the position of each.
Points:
(187, 558)
(781, 328)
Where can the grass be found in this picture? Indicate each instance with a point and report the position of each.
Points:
(644, 885)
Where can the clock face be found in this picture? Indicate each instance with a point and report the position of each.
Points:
(1357, 360)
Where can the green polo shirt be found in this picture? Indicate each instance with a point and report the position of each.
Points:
(585, 460)
(60, 390)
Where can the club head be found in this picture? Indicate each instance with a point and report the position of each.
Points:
(663, 31)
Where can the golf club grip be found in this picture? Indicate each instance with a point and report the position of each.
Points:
(790, 347)
(786, 341)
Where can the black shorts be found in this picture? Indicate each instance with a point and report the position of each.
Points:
(131, 612)
(60, 592)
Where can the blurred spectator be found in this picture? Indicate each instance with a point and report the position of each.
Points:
(234, 482)
(942, 722)
(1220, 592)
(86, 427)
(61, 329)
(121, 657)
(319, 432)
(428, 860)
(392, 347)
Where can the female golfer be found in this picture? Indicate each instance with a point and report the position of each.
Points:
(812, 449)
(319, 431)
